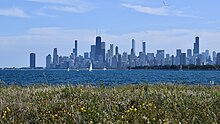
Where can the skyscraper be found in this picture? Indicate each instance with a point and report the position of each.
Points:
(48, 61)
(189, 57)
(32, 61)
(214, 56)
(178, 55)
(189, 53)
(55, 57)
(218, 59)
(206, 54)
(183, 59)
(196, 47)
(92, 52)
(144, 48)
(124, 59)
(75, 51)
(160, 57)
(103, 50)
(116, 50)
(119, 61)
(150, 58)
(111, 50)
(178, 52)
(98, 47)
(133, 45)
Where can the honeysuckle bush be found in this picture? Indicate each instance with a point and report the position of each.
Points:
(161, 103)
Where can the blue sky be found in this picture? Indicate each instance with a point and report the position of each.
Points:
(40, 25)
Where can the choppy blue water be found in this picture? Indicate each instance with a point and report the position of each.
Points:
(108, 77)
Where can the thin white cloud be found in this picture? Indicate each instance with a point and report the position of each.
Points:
(41, 13)
(71, 9)
(71, 6)
(149, 10)
(14, 12)
(160, 11)
(55, 1)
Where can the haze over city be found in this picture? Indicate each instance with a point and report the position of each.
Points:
(40, 25)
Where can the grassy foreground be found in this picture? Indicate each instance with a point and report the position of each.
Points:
(121, 104)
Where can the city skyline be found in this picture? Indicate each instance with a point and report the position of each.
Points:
(142, 46)
(102, 57)
(40, 25)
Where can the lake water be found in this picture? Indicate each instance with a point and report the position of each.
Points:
(108, 77)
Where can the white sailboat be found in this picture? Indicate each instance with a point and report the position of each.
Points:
(181, 68)
(68, 69)
(104, 69)
(90, 68)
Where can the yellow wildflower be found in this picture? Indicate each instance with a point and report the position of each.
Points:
(52, 117)
(82, 109)
(8, 109)
(135, 109)
(68, 113)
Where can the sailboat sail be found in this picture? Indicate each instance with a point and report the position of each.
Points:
(90, 68)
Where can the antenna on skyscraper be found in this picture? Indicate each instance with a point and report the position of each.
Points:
(100, 33)
(96, 31)
(197, 34)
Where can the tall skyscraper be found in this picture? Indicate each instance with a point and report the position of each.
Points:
(98, 47)
(196, 46)
(76, 49)
(178, 56)
(55, 57)
(144, 48)
(111, 50)
(116, 50)
(133, 45)
(48, 61)
(32, 61)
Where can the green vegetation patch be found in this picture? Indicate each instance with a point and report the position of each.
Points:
(121, 104)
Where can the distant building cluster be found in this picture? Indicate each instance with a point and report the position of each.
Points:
(100, 58)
